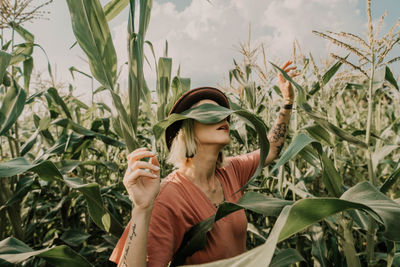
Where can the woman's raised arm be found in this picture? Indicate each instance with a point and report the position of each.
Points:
(143, 187)
(277, 134)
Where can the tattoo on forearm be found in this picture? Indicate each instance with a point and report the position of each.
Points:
(278, 132)
(129, 243)
(279, 148)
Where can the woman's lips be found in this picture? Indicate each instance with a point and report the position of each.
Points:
(224, 127)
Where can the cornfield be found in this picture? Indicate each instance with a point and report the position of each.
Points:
(332, 198)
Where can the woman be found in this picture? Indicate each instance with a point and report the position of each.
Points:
(192, 193)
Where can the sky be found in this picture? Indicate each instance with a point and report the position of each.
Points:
(203, 36)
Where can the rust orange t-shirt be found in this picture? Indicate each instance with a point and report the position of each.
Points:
(180, 205)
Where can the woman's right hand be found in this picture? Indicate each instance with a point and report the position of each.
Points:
(142, 185)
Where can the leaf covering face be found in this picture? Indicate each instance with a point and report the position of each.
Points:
(211, 114)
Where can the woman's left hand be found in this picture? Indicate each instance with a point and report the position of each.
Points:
(284, 85)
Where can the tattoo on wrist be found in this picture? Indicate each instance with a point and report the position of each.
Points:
(129, 243)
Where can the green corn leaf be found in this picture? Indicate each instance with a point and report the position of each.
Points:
(209, 114)
(327, 76)
(144, 17)
(93, 35)
(81, 130)
(391, 180)
(114, 7)
(28, 67)
(319, 250)
(342, 134)
(24, 186)
(300, 215)
(29, 143)
(74, 238)
(5, 59)
(14, 251)
(125, 124)
(49, 172)
(12, 107)
(54, 94)
(366, 194)
(45, 169)
(286, 257)
(319, 133)
(99, 214)
(163, 85)
(24, 33)
(332, 179)
(390, 78)
(195, 238)
(21, 52)
(298, 144)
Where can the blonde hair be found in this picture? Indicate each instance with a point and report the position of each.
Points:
(184, 147)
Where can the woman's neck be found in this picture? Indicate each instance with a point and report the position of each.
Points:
(201, 168)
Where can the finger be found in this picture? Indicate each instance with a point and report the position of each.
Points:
(294, 74)
(141, 155)
(291, 68)
(144, 165)
(281, 78)
(132, 178)
(286, 64)
(155, 162)
(136, 151)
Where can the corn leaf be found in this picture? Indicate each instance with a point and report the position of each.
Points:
(5, 59)
(81, 130)
(46, 170)
(209, 114)
(286, 257)
(163, 85)
(327, 77)
(14, 251)
(99, 214)
(57, 98)
(114, 7)
(93, 35)
(12, 107)
(391, 180)
(390, 78)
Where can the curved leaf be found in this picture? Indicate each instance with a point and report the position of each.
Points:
(114, 7)
(81, 130)
(209, 114)
(12, 107)
(14, 251)
(196, 238)
(299, 142)
(93, 35)
(49, 172)
(5, 59)
(286, 257)
(99, 214)
(45, 169)
(304, 213)
(327, 76)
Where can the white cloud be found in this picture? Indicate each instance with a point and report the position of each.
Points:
(203, 36)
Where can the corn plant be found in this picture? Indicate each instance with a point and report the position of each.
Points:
(332, 198)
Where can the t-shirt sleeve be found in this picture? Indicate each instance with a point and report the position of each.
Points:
(245, 165)
(163, 237)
